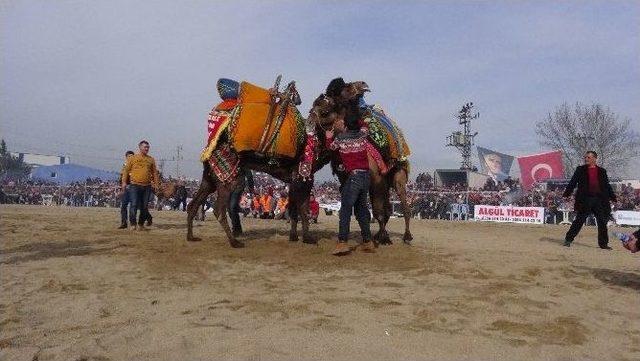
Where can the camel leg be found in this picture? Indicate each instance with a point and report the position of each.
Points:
(384, 235)
(302, 193)
(201, 211)
(293, 219)
(207, 186)
(220, 211)
(377, 206)
(400, 179)
(379, 194)
(294, 210)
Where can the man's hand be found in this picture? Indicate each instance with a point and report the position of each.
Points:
(329, 134)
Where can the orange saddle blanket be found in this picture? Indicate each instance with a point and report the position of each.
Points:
(250, 125)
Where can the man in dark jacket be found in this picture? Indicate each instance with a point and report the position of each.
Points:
(593, 196)
(124, 203)
(180, 197)
(246, 180)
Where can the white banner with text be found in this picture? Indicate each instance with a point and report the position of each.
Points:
(533, 215)
(627, 218)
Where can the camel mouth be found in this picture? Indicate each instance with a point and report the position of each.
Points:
(363, 87)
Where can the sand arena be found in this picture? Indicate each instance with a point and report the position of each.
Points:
(76, 288)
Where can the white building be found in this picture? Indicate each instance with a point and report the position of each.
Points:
(34, 159)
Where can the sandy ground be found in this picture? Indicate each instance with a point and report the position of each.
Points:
(76, 288)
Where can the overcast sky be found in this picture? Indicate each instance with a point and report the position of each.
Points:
(90, 79)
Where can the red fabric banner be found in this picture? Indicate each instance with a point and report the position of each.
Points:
(538, 167)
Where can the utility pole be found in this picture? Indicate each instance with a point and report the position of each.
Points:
(463, 140)
(161, 163)
(178, 158)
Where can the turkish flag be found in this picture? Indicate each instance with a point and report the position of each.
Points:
(538, 167)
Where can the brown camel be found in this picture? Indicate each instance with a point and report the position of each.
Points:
(286, 170)
(167, 190)
(331, 108)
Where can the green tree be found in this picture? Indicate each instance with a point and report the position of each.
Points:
(10, 165)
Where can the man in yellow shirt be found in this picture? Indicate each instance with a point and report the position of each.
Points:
(141, 173)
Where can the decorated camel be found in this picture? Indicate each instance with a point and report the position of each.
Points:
(388, 154)
(261, 130)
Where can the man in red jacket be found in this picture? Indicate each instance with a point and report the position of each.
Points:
(593, 196)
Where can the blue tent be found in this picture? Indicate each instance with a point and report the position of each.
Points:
(69, 173)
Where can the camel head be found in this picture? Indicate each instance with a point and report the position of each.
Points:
(324, 112)
(329, 107)
(353, 91)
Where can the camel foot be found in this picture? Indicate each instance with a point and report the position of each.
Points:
(384, 239)
(193, 239)
(293, 237)
(309, 240)
(236, 244)
(407, 238)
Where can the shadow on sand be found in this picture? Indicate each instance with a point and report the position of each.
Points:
(560, 242)
(616, 278)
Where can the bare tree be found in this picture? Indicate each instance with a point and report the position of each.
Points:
(594, 127)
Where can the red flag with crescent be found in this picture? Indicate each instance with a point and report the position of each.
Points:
(538, 167)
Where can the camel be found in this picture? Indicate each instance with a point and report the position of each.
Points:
(166, 190)
(338, 105)
(323, 114)
(286, 170)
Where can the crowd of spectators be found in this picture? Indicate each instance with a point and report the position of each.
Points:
(90, 193)
(427, 200)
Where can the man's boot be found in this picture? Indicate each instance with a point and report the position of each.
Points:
(342, 248)
(123, 226)
(367, 247)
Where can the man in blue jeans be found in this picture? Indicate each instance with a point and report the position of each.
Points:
(140, 174)
(246, 180)
(351, 144)
(124, 204)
